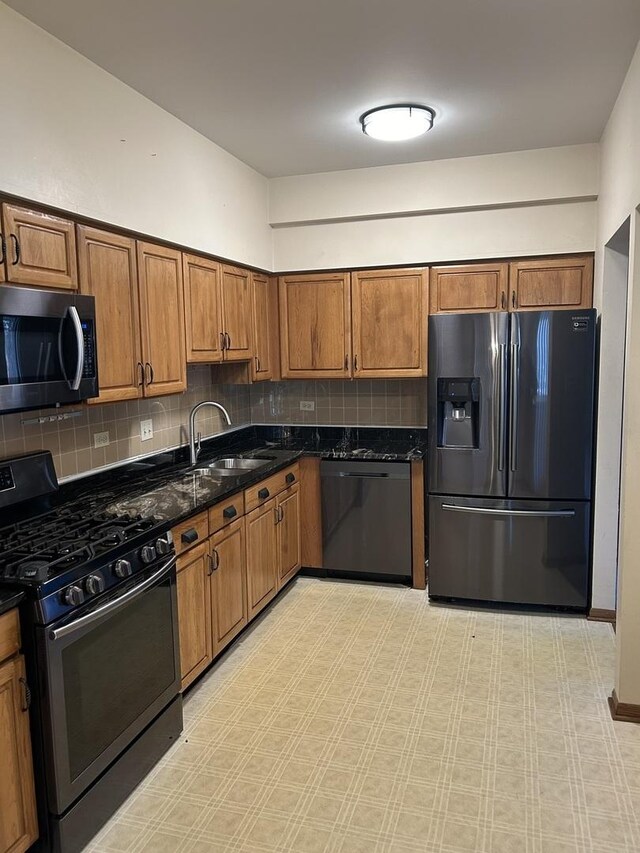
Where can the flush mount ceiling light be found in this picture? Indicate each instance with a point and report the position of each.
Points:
(397, 122)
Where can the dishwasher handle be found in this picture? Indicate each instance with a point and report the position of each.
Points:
(362, 474)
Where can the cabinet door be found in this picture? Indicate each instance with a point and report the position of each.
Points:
(162, 319)
(537, 285)
(472, 287)
(107, 266)
(228, 584)
(194, 612)
(262, 366)
(237, 313)
(202, 309)
(41, 249)
(389, 310)
(289, 545)
(262, 556)
(18, 822)
(315, 326)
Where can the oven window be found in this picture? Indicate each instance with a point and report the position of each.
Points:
(36, 349)
(115, 672)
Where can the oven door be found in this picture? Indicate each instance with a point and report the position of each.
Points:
(110, 670)
(47, 348)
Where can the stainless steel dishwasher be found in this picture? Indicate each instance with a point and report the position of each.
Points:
(366, 519)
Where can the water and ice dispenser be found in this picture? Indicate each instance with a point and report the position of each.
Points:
(458, 412)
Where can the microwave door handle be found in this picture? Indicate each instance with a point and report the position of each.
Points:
(72, 311)
(112, 606)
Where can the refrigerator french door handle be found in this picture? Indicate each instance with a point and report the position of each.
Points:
(502, 421)
(514, 389)
(523, 513)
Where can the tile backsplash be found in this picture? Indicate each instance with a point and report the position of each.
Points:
(71, 442)
(336, 402)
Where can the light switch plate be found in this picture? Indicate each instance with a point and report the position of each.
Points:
(146, 430)
(307, 406)
(100, 439)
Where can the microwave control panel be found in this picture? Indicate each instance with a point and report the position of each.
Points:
(89, 369)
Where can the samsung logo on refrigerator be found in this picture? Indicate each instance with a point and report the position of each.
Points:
(580, 324)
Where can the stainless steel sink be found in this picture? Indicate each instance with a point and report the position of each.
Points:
(233, 466)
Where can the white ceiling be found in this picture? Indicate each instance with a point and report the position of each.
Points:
(281, 83)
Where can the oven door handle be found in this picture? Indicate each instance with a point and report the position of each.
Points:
(115, 605)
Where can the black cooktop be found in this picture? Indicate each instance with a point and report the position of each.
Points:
(41, 548)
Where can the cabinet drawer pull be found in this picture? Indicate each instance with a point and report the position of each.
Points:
(291, 477)
(215, 560)
(276, 515)
(16, 249)
(263, 493)
(229, 512)
(26, 704)
(189, 536)
(280, 513)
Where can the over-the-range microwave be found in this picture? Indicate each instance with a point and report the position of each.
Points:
(47, 348)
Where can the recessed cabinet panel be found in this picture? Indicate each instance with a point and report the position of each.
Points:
(107, 266)
(203, 309)
(262, 556)
(194, 613)
(472, 287)
(228, 584)
(389, 310)
(162, 309)
(551, 283)
(315, 326)
(41, 249)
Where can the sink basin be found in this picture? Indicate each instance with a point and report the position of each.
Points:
(233, 466)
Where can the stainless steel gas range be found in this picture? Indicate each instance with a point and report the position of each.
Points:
(101, 640)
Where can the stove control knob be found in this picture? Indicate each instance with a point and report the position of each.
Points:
(163, 546)
(94, 584)
(122, 569)
(148, 553)
(73, 595)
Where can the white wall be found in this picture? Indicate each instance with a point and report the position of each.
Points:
(60, 131)
(521, 203)
(620, 200)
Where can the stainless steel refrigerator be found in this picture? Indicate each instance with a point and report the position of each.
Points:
(511, 412)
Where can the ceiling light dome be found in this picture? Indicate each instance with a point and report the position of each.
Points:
(397, 122)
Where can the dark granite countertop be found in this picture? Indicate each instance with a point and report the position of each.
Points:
(9, 599)
(167, 487)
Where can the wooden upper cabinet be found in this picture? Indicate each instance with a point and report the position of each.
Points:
(41, 249)
(315, 326)
(390, 316)
(18, 821)
(237, 313)
(162, 319)
(263, 328)
(202, 309)
(262, 556)
(551, 283)
(107, 267)
(472, 287)
(228, 584)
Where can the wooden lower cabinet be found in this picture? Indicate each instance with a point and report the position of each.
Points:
(262, 556)
(194, 613)
(18, 821)
(289, 545)
(228, 584)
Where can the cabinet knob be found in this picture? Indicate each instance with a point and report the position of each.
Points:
(189, 535)
(263, 493)
(291, 477)
(229, 512)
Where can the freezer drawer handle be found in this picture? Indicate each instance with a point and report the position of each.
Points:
(525, 513)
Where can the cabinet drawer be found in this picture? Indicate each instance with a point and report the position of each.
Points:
(261, 492)
(225, 512)
(9, 634)
(190, 532)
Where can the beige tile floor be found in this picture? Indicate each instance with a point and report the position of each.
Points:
(356, 718)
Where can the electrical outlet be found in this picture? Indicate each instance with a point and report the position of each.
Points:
(307, 406)
(146, 430)
(100, 439)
